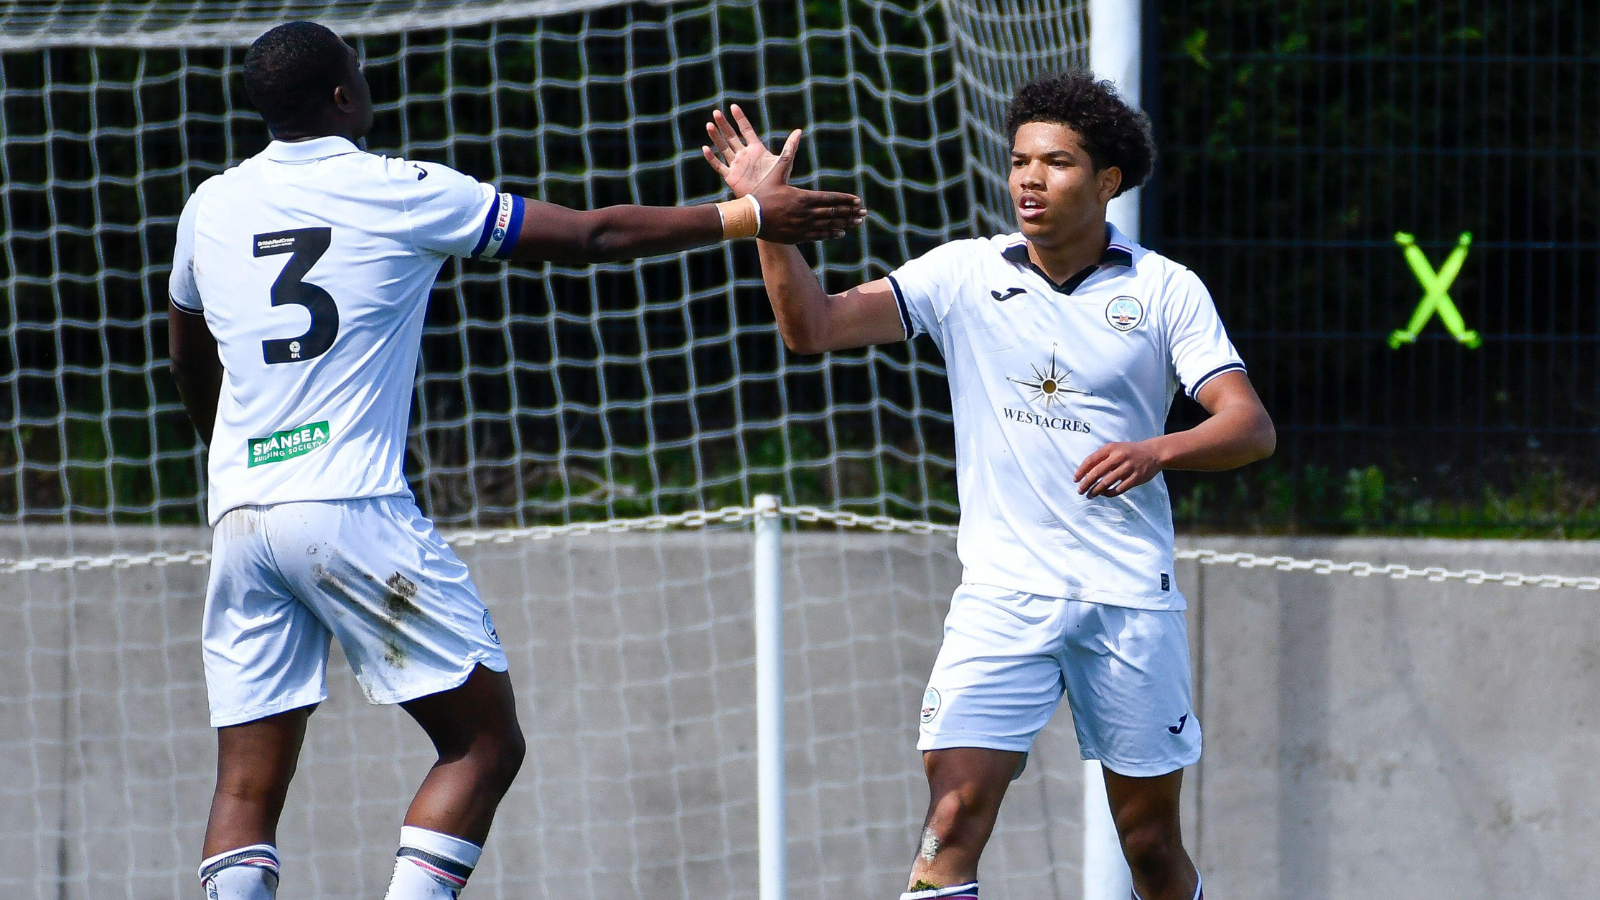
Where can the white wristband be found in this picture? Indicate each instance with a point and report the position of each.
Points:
(756, 204)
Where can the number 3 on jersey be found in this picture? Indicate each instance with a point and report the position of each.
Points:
(307, 246)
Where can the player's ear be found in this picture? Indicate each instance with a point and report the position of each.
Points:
(1110, 179)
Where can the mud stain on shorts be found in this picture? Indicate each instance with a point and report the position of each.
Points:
(386, 606)
(393, 653)
(240, 522)
(401, 600)
(399, 604)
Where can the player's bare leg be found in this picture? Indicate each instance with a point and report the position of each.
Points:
(255, 763)
(965, 787)
(1146, 813)
(474, 728)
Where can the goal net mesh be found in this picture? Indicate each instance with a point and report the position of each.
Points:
(545, 395)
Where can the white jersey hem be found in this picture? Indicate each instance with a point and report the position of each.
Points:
(339, 498)
(1165, 601)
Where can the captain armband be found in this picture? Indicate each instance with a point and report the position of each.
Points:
(501, 228)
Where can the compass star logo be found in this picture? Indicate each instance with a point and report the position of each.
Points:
(1049, 385)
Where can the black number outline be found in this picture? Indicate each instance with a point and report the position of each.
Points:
(307, 245)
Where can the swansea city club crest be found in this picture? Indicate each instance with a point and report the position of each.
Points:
(1124, 313)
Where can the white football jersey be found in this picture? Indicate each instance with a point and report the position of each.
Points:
(1043, 375)
(312, 262)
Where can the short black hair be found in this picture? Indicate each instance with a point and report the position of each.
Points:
(292, 70)
(1113, 133)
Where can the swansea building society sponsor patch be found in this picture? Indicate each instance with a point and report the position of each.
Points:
(281, 445)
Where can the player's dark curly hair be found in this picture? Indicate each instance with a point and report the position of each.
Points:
(292, 70)
(1113, 133)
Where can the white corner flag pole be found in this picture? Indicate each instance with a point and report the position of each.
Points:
(1114, 52)
(768, 578)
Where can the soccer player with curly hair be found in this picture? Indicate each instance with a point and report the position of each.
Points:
(1064, 343)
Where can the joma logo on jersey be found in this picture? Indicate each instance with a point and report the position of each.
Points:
(281, 445)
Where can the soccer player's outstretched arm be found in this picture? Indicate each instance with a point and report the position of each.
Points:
(785, 215)
(810, 319)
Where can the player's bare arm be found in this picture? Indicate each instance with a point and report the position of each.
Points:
(810, 319)
(787, 215)
(1237, 432)
(196, 369)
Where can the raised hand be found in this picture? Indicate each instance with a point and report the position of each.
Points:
(743, 161)
(788, 214)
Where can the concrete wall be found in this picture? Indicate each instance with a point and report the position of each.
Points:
(1364, 737)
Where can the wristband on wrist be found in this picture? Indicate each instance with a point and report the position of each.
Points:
(740, 218)
(756, 205)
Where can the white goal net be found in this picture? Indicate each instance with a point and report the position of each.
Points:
(546, 396)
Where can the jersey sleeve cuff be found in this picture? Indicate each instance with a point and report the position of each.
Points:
(1205, 379)
(194, 310)
(501, 228)
(905, 313)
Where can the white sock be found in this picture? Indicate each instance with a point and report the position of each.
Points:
(245, 873)
(431, 865)
(968, 891)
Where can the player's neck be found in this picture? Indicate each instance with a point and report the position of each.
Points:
(1060, 261)
(294, 134)
(295, 137)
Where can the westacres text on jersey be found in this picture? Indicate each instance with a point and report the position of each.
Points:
(1057, 423)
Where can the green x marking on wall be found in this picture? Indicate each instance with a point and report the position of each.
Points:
(1435, 292)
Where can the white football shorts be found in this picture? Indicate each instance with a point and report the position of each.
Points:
(1008, 656)
(373, 572)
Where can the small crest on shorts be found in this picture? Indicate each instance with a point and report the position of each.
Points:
(1124, 313)
(488, 628)
(930, 705)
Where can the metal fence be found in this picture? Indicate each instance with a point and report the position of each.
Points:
(1397, 207)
